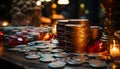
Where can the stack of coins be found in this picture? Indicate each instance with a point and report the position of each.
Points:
(95, 33)
(77, 35)
(60, 32)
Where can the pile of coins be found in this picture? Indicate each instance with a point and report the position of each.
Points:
(61, 32)
(74, 34)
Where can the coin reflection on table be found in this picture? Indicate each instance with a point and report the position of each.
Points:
(1, 49)
(114, 66)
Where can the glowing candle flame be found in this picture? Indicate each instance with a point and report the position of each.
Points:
(114, 50)
(64, 2)
(5, 23)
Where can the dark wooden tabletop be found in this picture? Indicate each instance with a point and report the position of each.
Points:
(20, 60)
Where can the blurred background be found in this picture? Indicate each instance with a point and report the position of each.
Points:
(5, 7)
(15, 14)
(70, 9)
(46, 12)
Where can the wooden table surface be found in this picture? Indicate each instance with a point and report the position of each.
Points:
(20, 60)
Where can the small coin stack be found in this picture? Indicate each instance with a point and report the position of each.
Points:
(95, 33)
(60, 32)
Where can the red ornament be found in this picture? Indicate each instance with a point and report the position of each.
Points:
(96, 47)
(16, 40)
(1, 36)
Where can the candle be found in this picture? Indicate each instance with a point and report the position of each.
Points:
(5, 23)
(114, 50)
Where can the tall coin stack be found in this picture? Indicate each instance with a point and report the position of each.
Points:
(60, 32)
(77, 35)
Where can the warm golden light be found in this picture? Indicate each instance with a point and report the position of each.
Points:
(82, 5)
(38, 3)
(45, 20)
(114, 49)
(57, 16)
(54, 5)
(54, 31)
(5, 23)
(114, 66)
(86, 11)
(47, 36)
(63, 2)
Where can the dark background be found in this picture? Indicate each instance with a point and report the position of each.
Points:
(5, 6)
(72, 9)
